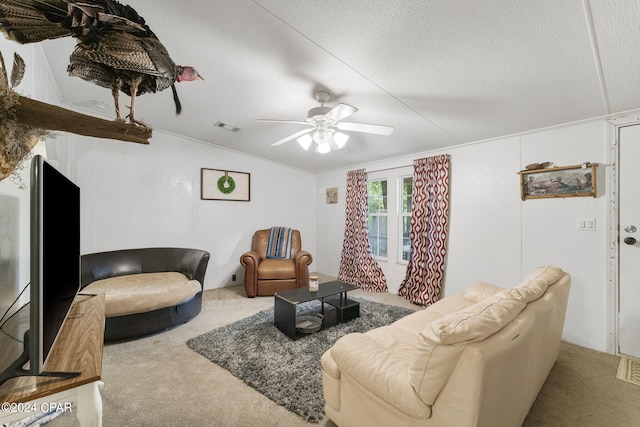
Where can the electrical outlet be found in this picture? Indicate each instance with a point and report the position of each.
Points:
(233, 277)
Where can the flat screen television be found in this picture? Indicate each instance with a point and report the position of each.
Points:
(55, 257)
(54, 269)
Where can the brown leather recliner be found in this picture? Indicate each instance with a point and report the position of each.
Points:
(265, 276)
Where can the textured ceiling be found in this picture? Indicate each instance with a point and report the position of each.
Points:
(441, 72)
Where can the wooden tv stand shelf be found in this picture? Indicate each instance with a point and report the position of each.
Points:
(77, 349)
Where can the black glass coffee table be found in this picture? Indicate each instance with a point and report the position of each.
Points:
(340, 308)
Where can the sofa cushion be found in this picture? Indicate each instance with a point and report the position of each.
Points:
(481, 290)
(536, 284)
(407, 328)
(441, 342)
(276, 268)
(403, 332)
(140, 293)
(381, 371)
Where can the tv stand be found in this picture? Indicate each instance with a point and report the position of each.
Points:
(71, 380)
(16, 369)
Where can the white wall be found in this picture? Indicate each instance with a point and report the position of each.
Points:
(550, 234)
(14, 201)
(137, 195)
(496, 237)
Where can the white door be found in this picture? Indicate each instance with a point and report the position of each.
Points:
(629, 238)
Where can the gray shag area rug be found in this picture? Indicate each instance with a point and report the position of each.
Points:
(286, 371)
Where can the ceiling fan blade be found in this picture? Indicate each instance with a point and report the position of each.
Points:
(362, 127)
(291, 137)
(340, 111)
(298, 122)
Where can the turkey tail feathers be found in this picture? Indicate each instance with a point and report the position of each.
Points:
(176, 100)
(116, 49)
(31, 21)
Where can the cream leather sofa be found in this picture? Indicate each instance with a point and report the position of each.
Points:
(473, 359)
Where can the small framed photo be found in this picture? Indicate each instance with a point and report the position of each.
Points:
(217, 184)
(561, 181)
(332, 195)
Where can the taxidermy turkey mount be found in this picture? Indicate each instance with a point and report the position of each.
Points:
(116, 49)
(24, 122)
(325, 124)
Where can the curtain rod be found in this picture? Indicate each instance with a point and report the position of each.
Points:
(387, 169)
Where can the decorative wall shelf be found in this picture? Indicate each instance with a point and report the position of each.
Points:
(560, 181)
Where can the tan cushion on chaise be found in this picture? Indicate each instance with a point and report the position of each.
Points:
(140, 293)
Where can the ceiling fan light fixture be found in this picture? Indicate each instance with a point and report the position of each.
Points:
(321, 136)
(324, 124)
(340, 139)
(323, 148)
(305, 141)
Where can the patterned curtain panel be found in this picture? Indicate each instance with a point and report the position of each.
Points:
(423, 282)
(357, 265)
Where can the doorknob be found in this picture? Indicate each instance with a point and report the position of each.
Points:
(630, 240)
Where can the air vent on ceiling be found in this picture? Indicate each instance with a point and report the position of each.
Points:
(99, 104)
(227, 126)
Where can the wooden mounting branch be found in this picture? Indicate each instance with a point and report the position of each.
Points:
(46, 116)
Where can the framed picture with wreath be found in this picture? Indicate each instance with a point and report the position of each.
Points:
(217, 184)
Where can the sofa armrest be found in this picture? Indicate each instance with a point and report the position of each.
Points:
(102, 265)
(380, 370)
(194, 264)
(250, 257)
(188, 261)
(303, 257)
(302, 260)
(250, 261)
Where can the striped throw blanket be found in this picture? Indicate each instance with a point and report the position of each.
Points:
(279, 242)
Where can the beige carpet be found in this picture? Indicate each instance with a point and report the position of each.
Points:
(158, 381)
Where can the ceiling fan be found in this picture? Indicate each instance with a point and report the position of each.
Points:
(325, 124)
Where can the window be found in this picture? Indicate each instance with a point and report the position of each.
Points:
(406, 202)
(378, 217)
(390, 202)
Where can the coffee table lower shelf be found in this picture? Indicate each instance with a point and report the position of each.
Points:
(335, 307)
(346, 309)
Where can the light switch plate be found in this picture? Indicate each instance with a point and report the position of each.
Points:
(586, 224)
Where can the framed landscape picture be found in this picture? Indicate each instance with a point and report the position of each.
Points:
(561, 181)
(216, 184)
